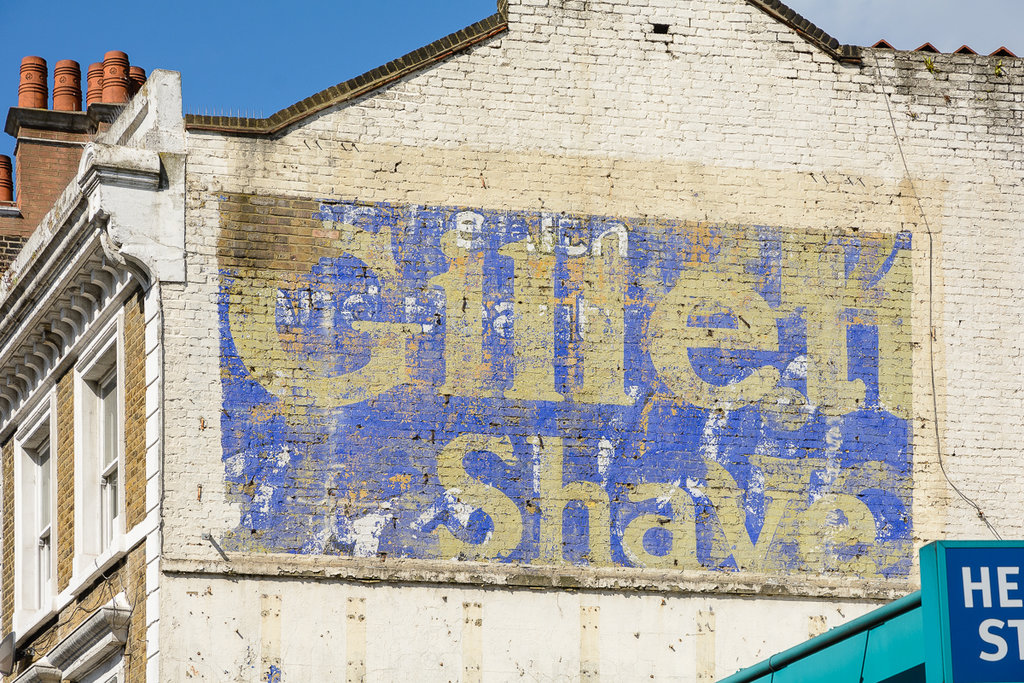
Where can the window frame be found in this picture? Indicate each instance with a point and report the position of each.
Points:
(110, 670)
(99, 536)
(111, 512)
(35, 592)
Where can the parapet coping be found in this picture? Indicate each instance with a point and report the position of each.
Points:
(460, 41)
(449, 45)
(353, 88)
(74, 122)
(810, 32)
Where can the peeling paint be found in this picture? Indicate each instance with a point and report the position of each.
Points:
(767, 369)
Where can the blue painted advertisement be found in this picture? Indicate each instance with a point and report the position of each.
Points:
(527, 387)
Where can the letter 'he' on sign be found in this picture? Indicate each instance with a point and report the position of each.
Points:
(973, 611)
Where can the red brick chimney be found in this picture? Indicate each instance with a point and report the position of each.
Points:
(50, 141)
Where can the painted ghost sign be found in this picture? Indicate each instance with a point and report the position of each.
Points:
(517, 386)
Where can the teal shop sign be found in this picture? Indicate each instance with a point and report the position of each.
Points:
(973, 609)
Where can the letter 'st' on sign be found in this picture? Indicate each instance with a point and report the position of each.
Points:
(973, 607)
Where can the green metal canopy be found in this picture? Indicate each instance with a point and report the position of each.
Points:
(883, 646)
(965, 625)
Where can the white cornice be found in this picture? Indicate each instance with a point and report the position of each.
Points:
(121, 219)
(40, 672)
(92, 642)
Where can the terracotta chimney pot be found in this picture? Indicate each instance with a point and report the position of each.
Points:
(6, 185)
(136, 77)
(67, 86)
(115, 77)
(32, 91)
(95, 92)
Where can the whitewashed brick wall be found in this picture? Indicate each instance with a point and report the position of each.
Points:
(730, 118)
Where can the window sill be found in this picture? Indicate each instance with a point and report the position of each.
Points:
(26, 623)
(88, 568)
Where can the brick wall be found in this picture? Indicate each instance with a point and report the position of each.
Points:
(65, 479)
(46, 159)
(603, 147)
(136, 653)
(130, 574)
(729, 124)
(135, 410)
(10, 245)
(43, 168)
(608, 370)
(128, 577)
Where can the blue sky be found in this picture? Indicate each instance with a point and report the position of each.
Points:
(253, 58)
(985, 25)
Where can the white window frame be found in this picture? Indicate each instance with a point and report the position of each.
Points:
(35, 590)
(99, 535)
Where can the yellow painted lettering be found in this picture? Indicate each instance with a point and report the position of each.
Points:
(702, 293)
(506, 518)
(601, 313)
(467, 373)
(253, 321)
(554, 496)
(818, 281)
(533, 282)
(828, 529)
(681, 525)
(732, 538)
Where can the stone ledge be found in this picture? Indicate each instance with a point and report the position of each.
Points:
(40, 672)
(77, 122)
(90, 643)
(401, 570)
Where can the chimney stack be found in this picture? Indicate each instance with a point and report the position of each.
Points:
(67, 86)
(50, 141)
(6, 183)
(32, 93)
(115, 77)
(48, 148)
(94, 94)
